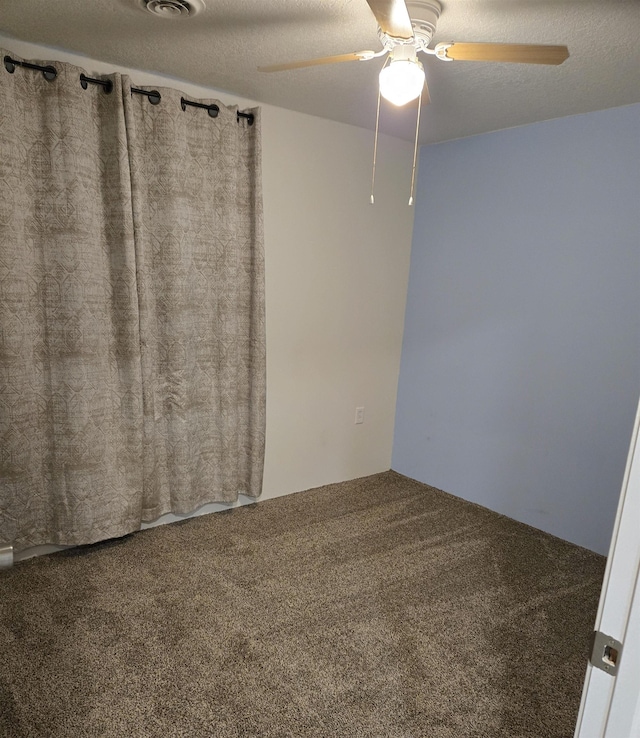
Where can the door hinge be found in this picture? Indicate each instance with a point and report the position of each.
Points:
(6, 556)
(605, 653)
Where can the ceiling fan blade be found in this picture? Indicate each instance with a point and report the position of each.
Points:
(393, 17)
(426, 97)
(519, 53)
(355, 56)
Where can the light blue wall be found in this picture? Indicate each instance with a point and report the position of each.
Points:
(520, 368)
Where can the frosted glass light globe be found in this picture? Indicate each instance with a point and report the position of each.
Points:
(401, 81)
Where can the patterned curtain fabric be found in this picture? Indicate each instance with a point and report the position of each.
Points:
(197, 209)
(70, 391)
(131, 309)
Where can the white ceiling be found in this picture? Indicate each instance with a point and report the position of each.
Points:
(222, 46)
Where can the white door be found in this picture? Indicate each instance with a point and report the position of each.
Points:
(610, 706)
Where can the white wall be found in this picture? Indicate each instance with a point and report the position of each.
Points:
(336, 270)
(336, 280)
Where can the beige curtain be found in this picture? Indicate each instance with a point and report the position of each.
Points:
(197, 210)
(120, 321)
(70, 392)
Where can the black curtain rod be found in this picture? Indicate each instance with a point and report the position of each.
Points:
(212, 109)
(85, 81)
(50, 73)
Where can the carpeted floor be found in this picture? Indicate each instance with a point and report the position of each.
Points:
(378, 608)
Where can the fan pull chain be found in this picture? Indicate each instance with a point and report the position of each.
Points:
(375, 148)
(415, 151)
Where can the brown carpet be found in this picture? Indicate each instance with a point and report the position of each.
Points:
(378, 607)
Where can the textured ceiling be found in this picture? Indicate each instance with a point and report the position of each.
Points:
(222, 46)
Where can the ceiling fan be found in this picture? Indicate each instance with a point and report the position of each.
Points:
(406, 29)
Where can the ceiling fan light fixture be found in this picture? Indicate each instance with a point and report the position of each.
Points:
(401, 81)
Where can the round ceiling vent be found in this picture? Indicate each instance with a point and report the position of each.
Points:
(173, 8)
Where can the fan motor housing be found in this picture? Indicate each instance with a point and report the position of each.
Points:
(424, 16)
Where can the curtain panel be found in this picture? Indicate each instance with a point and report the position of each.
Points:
(132, 353)
(197, 213)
